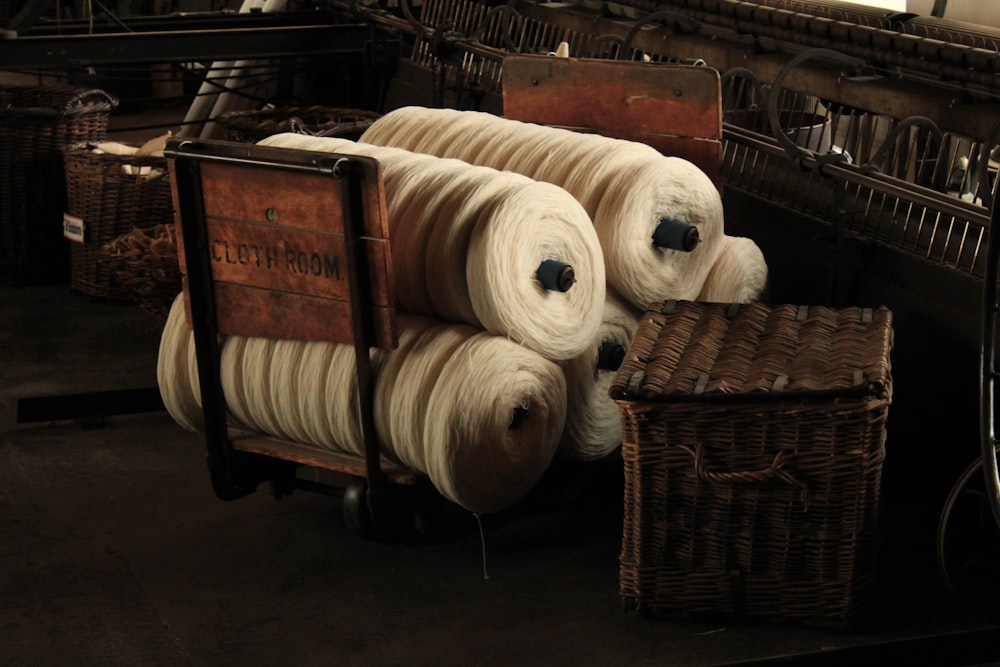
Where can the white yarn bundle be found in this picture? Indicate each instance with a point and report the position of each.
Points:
(173, 372)
(479, 414)
(739, 274)
(593, 420)
(626, 187)
(640, 271)
(493, 422)
(468, 241)
(398, 441)
(405, 385)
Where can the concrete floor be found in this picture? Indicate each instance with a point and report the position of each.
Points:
(115, 551)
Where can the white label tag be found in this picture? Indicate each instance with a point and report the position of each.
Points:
(73, 227)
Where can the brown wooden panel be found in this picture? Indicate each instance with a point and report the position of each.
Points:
(314, 456)
(671, 107)
(276, 246)
(301, 261)
(252, 311)
(272, 196)
(656, 98)
(178, 227)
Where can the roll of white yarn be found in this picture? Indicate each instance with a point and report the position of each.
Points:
(430, 205)
(739, 274)
(626, 187)
(478, 413)
(636, 200)
(390, 133)
(402, 403)
(305, 391)
(233, 387)
(285, 383)
(342, 397)
(395, 383)
(493, 422)
(593, 420)
(528, 226)
(593, 161)
(480, 235)
(194, 379)
(178, 379)
(487, 139)
(172, 372)
(317, 357)
(258, 355)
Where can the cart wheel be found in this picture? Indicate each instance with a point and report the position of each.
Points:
(969, 544)
(356, 513)
(396, 517)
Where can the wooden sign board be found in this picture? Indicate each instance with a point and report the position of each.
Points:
(676, 109)
(273, 223)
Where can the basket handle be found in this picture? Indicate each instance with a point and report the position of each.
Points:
(775, 470)
(296, 125)
(82, 95)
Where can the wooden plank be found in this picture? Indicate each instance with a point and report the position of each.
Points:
(674, 108)
(316, 457)
(249, 311)
(277, 250)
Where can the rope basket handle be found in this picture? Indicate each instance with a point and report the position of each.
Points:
(83, 95)
(776, 469)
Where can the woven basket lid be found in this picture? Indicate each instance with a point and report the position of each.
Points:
(690, 351)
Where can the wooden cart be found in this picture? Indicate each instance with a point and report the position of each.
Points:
(288, 244)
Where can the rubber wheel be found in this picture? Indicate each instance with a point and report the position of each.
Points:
(969, 544)
(357, 516)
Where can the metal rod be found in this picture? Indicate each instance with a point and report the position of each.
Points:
(671, 234)
(988, 368)
(555, 275)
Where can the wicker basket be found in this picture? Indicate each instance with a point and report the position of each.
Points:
(144, 265)
(112, 194)
(320, 121)
(753, 442)
(36, 123)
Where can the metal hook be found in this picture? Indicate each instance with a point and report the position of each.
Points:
(795, 151)
(677, 22)
(877, 163)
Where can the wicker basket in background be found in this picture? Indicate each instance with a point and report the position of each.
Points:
(753, 442)
(144, 265)
(320, 121)
(112, 194)
(36, 124)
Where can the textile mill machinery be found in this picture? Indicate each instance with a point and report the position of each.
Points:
(859, 147)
